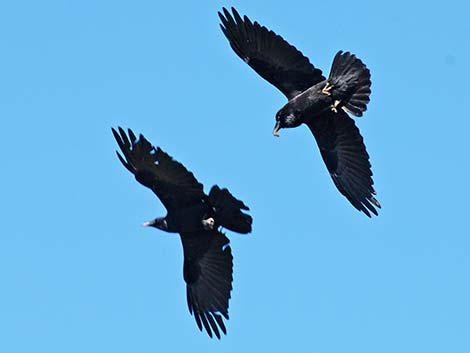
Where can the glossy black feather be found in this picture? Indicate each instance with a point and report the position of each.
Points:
(269, 54)
(344, 153)
(229, 211)
(208, 275)
(174, 185)
(351, 79)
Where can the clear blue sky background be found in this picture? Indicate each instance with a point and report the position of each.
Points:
(79, 275)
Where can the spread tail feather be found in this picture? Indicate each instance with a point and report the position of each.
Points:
(350, 79)
(228, 211)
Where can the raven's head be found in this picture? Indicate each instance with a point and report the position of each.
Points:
(286, 118)
(159, 223)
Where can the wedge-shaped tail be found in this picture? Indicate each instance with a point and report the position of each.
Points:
(228, 211)
(350, 80)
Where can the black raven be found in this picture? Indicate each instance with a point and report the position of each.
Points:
(318, 102)
(207, 268)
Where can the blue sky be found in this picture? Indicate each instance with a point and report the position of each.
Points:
(78, 273)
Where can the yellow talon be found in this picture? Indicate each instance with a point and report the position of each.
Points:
(335, 106)
(326, 90)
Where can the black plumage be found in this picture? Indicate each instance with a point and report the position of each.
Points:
(197, 217)
(322, 104)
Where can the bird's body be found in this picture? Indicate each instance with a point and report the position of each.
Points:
(183, 220)
(321, 103)
(308, 104)
(197, 217)
(190, 219)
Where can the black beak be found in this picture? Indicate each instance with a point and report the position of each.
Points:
(277, 127)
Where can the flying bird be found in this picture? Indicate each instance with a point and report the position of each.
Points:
(321, 104)
(197, 217)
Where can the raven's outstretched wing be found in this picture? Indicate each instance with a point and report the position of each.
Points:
(174, 185)
(269, 54)
(208, 274)
(344, 153)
